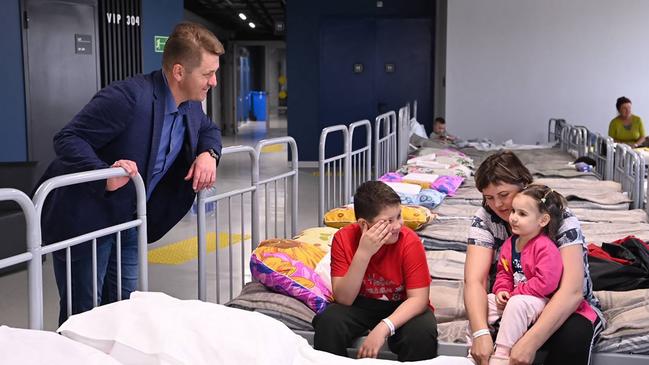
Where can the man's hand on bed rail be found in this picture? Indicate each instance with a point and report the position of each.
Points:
(115, 183)
(202, 172)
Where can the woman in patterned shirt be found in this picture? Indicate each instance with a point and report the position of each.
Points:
(566, 336)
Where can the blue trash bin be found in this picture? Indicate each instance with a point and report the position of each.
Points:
(258, 104)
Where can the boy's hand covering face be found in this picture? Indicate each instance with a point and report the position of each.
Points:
(374, 236)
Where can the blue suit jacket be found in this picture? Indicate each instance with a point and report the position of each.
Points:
(123, 121)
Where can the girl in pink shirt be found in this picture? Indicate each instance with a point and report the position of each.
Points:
(529, 267)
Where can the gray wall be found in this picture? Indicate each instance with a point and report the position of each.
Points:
(513, 64)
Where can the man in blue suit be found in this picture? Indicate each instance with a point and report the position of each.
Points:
(152, 124)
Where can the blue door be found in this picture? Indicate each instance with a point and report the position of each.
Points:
(370, 66)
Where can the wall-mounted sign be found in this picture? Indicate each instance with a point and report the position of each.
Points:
(159, 43)
(83, 44)
(116, 18)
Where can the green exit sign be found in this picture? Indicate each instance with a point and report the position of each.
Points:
(159, 43)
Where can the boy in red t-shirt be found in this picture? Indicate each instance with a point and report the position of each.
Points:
(380, 283)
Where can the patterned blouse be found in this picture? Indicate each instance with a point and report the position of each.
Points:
(490, 231)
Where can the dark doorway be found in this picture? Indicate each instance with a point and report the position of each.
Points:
(61, 68)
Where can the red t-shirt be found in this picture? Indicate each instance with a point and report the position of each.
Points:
(393, 268)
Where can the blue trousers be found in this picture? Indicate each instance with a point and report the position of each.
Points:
(81, 266)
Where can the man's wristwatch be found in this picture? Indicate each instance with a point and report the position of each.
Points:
(214, 154)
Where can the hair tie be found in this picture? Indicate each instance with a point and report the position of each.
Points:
(546, 195)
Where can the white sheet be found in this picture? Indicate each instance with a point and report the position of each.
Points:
(22, 346)
(154, 328)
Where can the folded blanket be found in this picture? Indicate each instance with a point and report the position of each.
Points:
(447, 296)
(599, 197)
(592, 205)
(627, 316)
(447, 230)
(455, 211)
(469, 193)
(580, 184)
(432, 244)
(565, 173)
(453, 332)
(609, 232)
(446, 264)
(290, 311)
(610, 216)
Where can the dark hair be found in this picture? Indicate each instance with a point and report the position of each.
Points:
(550, 202)
(620, 101)
(186, 45)
(439, 120)
(371, 197)
(502, 167)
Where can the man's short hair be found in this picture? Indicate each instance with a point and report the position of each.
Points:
(186, 45)
(371, 197)
(439, 120)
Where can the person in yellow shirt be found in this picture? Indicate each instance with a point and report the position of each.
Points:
(626, 127)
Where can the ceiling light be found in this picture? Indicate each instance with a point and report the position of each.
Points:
(242, 16)
(252, 25)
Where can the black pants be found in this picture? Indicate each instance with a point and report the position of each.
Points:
(572, 342)
(338, 326)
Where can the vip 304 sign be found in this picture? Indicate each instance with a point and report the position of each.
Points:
(116, 18)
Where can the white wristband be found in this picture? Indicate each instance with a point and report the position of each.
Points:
(390, 325)
(481, 332)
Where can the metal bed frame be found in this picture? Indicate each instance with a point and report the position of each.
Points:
(601, 150)
(260, 199)
(555, 127)
(629, 170)
(36, 250)
(385, 144)
(338, 167)
(403, 134)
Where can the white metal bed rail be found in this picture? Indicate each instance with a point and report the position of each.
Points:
(291, 192)
(555, 126)
(360, 158)
(140, 222)
(385, 144)
(601, 150)
(403, 135)
(31, 256)
(259, 207)
(203, 199)
(334, 171)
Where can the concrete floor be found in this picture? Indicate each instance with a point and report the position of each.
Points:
(181, 280)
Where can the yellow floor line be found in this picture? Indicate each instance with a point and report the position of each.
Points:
(273, 148)
(186, 250)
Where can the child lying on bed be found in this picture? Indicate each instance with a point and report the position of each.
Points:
(380, 282)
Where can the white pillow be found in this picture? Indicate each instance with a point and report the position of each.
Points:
(22, 346)
(154, 328)
(404, 188)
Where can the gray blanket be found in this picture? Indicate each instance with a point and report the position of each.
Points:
(611, 216)
(290, 311)
(609, 232)
(455, 211)
(627, 316)
(446, 264)
(447, 230)
(580, 184)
